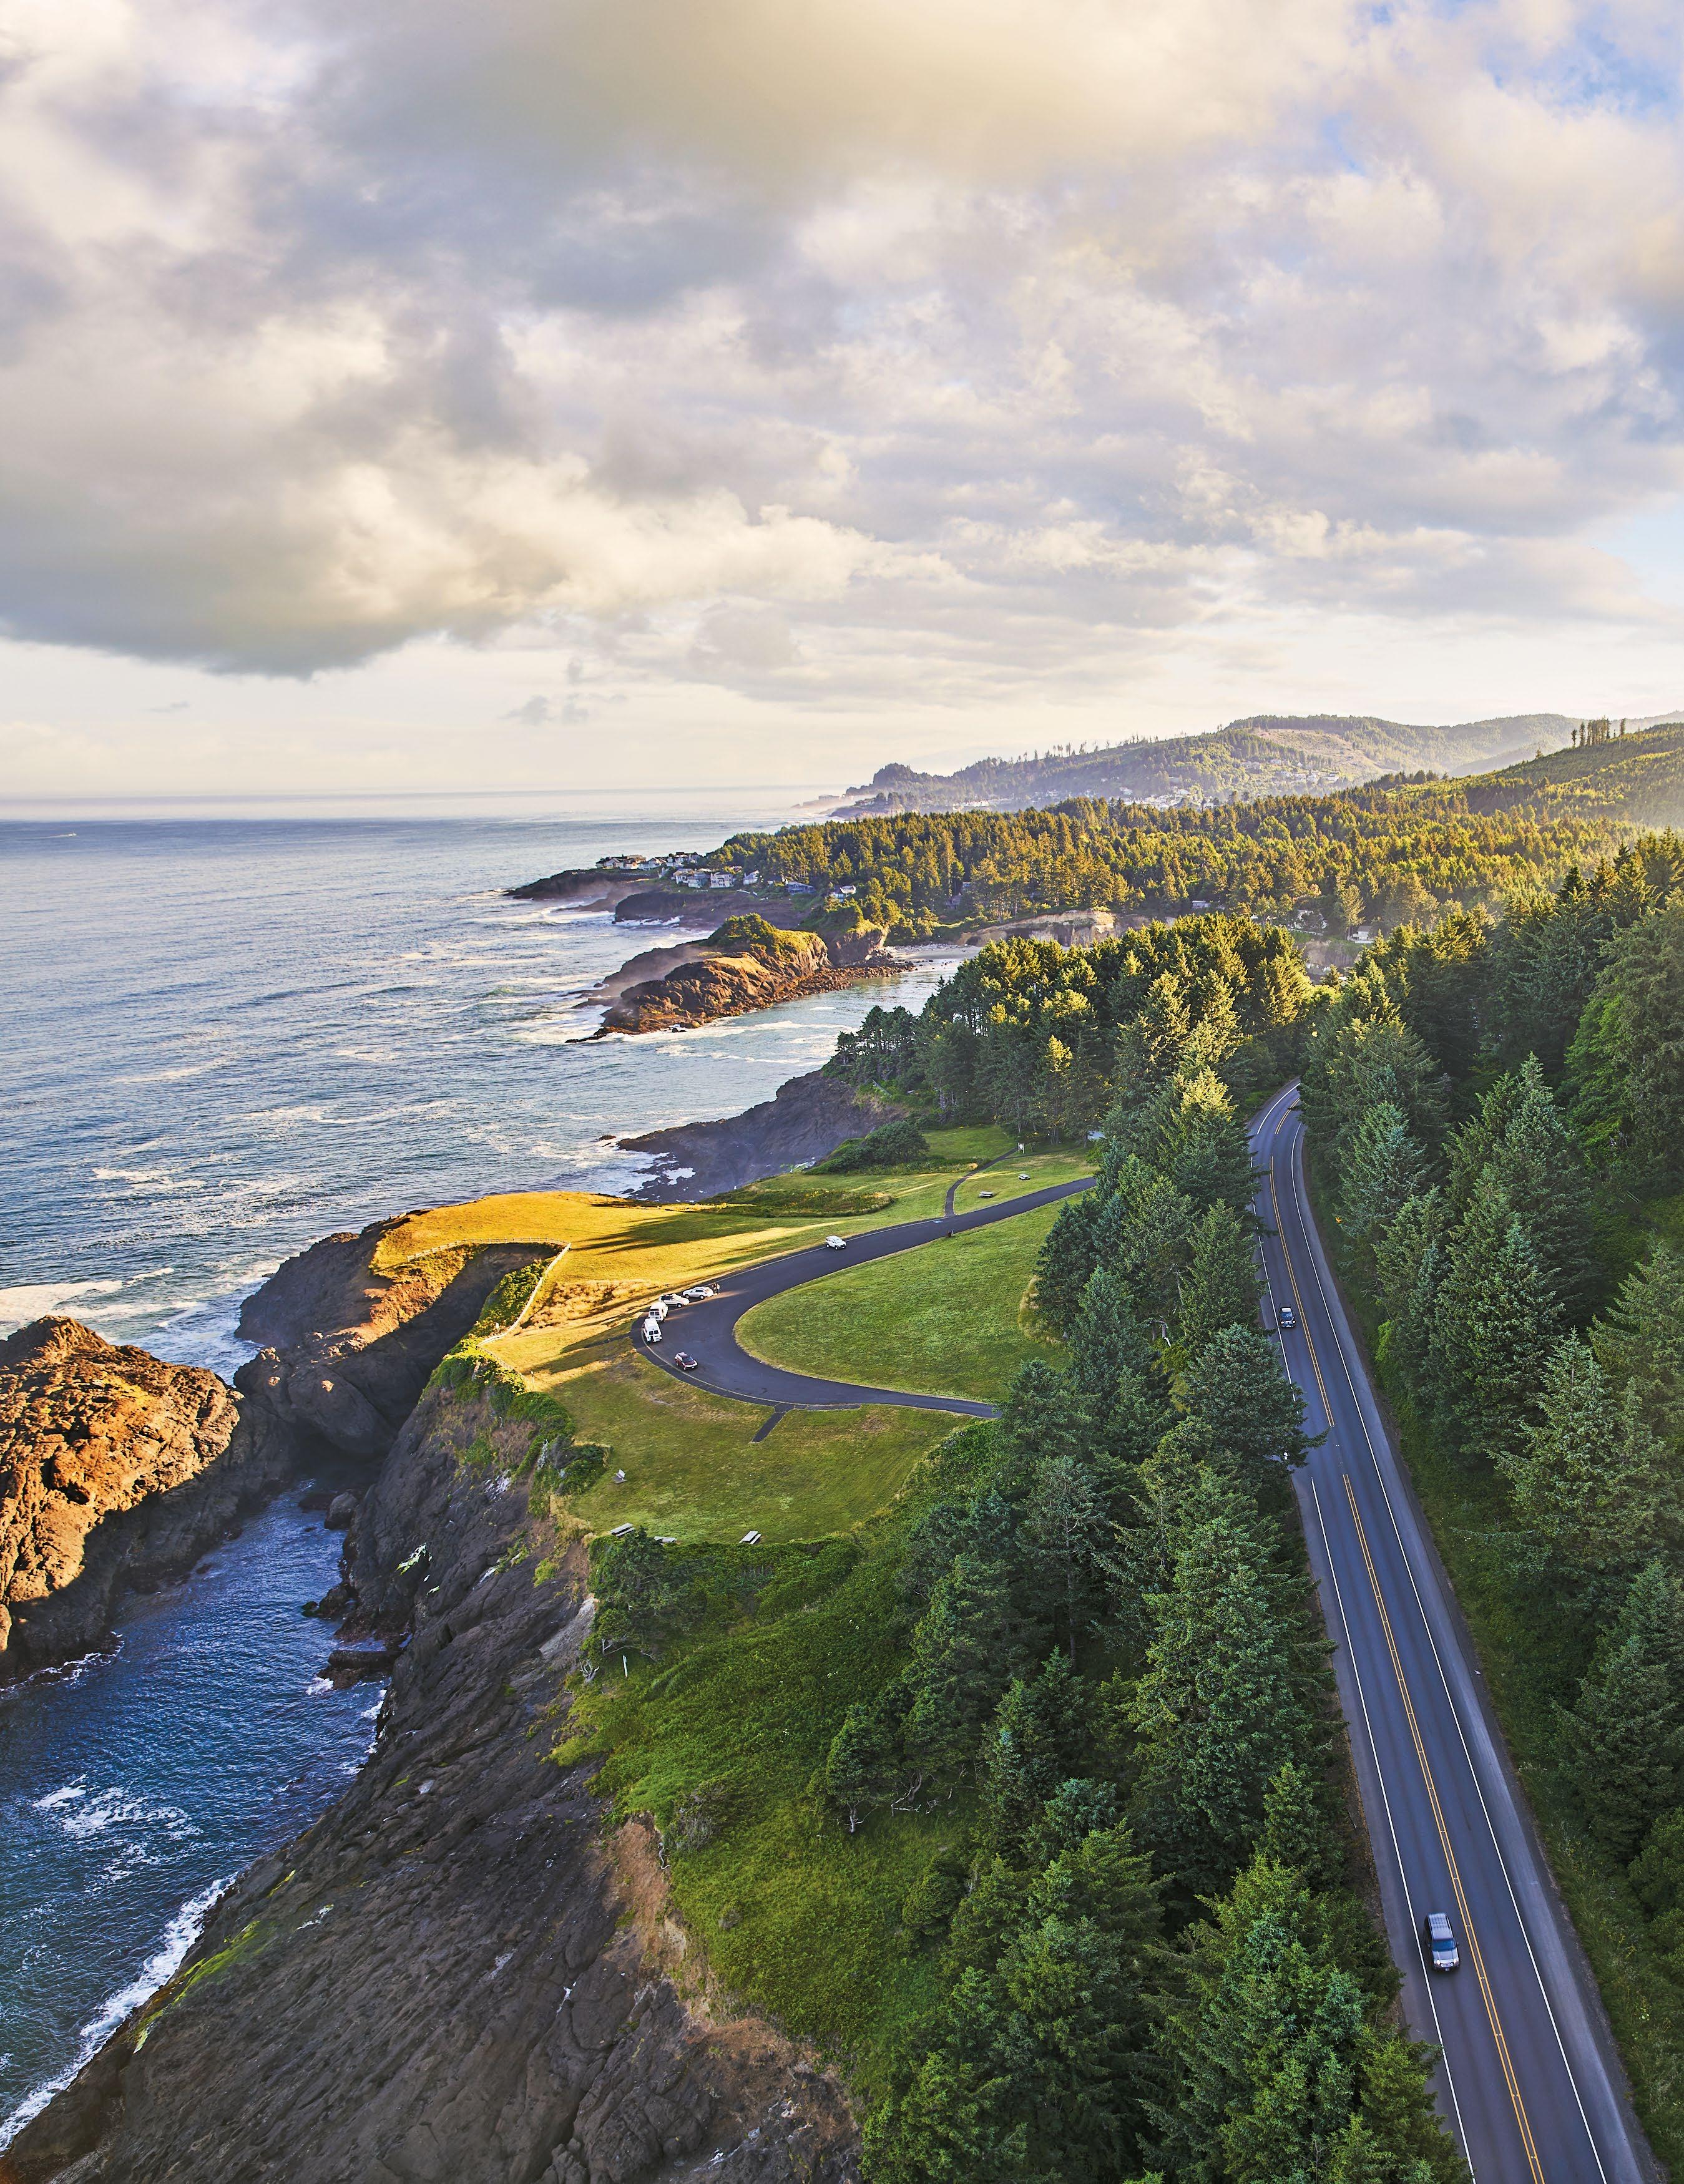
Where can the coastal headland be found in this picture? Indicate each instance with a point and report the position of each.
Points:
(464, 1860)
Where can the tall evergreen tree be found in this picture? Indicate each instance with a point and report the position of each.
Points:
(1495, 1323)
(1107, 1342)
(1220, 1287)
(1539, 1166)
(1641, 1340)
(1622, 1742)
(1268, 2045)
(1380, 1168)
(1066, 1528)
(1033, 1744)
(1042, 2057)
(1592, 1486)
(1190, 1134)
(1409, 1261)
(974, 1636)
(1067, 1258)
(1236, 1384)
(1220, 1704)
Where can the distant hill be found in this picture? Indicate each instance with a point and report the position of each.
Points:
(1638, 779)
(1267, 754)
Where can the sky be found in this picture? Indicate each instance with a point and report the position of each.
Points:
(547, 393)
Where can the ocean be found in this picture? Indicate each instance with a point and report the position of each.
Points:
(229, 1033)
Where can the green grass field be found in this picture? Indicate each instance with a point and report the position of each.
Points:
(796, 1917)
(694, 1471)
(944, 1320)
(693, 1467)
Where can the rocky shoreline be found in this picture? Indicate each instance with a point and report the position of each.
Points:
(744, 966)
(455, 1973)
(459, 1971)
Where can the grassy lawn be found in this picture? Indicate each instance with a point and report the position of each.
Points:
(796, 1917)
(1018, 1175)
(670, 1246)
(944, 1320)
(1532, 1655)
(694, 1471)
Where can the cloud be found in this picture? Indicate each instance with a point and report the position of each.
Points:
(986, 346)
(541, 712)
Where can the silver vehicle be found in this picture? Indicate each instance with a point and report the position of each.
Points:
(699, 1294)
(666, 1303)
(1441, 1951)
(836, 1243)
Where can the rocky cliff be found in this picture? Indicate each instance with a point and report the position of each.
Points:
(117, 1471)
(454, 1977)
(746, 965)
(348, 1347)
(806, 1117)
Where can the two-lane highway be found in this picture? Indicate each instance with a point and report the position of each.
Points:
(1529, 2082)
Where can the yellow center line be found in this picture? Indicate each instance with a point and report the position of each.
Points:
(1472, 1938)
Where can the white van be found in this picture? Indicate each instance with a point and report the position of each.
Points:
(651, 1330)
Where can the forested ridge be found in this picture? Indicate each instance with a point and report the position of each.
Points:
(1261, 754)
(1071, 1699)
(1394, 852)
(1496, 1108)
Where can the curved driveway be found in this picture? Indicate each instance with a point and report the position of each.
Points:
(1530, 2082)
(724, 1368)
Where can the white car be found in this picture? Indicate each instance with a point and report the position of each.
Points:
(672, 1297)
(836, 1243)
(699, 1294)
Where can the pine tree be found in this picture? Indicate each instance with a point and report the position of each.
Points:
(1592, 1487)
(1409, 1257)
(1107, 1342)
(1200, 1144)
(1038, 2065)
(863, 1770)
(1622, 1743)
(1033, 1744)
(1067, 1258)
(1236, 1384)
(1145, 1237)
(1539, 1166)
(1295, 1829)
(1380, 1168)
(1495, 1323)
(969, 1643)
(1218, 1707)
(1641, 1340)
(1220, 1287)
(1267, 2046)
(1066, 1528)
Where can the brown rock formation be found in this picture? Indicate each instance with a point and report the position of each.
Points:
(116, 1471)
(348, 1350)
(747, 964)
(450, 1975)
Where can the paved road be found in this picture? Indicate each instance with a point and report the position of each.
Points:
(708, 1330)
(1529, 2082)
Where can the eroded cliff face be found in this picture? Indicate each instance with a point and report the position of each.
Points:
(347, 1348)
(806, 1119)
(738, 970)
(453, 1977)
(116, 1471)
